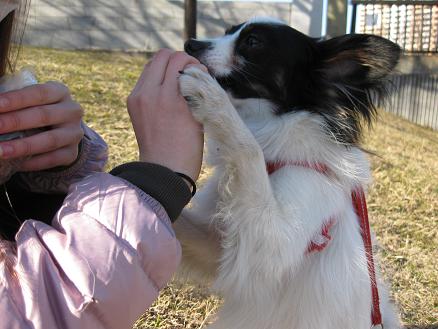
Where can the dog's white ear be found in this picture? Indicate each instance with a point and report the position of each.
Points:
(358, 59)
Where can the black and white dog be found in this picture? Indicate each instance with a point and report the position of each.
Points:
(280, 227)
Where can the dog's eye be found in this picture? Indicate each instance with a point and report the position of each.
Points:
(253, 42)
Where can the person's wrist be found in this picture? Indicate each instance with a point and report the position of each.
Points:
(176, 166)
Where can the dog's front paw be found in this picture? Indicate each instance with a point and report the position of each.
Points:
(202, 92)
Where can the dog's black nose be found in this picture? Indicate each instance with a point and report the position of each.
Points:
(195, 47)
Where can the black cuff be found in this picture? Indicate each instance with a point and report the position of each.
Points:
(159, 182)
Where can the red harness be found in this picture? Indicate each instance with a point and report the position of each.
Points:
(360, 207)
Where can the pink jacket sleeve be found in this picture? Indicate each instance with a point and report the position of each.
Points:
(109, 252)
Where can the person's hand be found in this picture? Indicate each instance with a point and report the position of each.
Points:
(48, 106)
(165, 129)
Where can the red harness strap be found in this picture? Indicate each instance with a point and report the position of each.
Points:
(360, 207)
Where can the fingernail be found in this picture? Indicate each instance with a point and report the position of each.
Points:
(4, 102)
(6, 150)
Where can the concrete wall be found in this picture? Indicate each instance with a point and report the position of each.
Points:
(147, 25)
(418, 64)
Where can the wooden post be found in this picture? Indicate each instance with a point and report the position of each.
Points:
(190, 19)
(337, 17)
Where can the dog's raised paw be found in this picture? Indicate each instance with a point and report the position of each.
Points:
(202, 92)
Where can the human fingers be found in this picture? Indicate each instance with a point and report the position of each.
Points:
(60, 157)
(141, 79)
(40, 116)
(153, 71)
(35, 95)
(178, 60)
(156, 69)
(43, 142)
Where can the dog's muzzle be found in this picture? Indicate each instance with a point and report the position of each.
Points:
(195, 47)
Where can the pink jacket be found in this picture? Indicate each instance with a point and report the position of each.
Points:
(109, 251)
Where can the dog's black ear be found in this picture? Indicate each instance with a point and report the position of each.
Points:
(353, 71)
(358, 59)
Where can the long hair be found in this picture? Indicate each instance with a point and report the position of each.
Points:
(11, 35)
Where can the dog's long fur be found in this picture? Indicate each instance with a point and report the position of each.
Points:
(282, 96)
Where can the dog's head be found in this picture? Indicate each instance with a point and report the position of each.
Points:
(337, 78)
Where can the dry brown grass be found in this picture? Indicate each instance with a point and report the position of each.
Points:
(403, 201)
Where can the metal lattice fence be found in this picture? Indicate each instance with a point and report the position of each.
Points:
(415, 99)
(413, 25)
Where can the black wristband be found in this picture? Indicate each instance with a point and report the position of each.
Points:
(161, 183)
(190, 180)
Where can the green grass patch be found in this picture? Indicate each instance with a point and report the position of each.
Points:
(403, 201)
